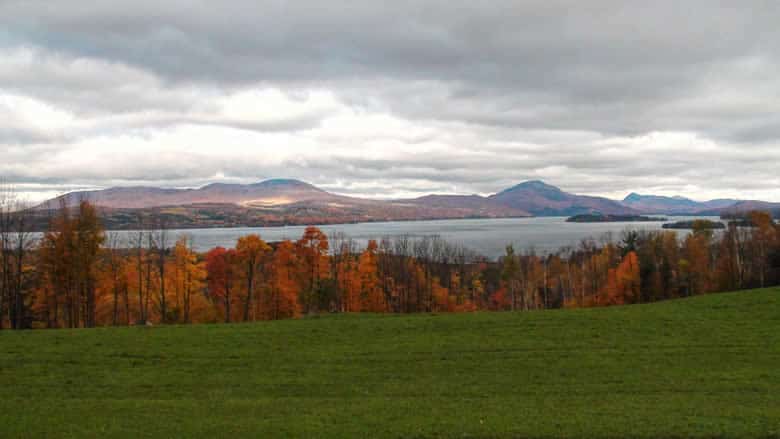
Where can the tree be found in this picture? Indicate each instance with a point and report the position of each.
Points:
(188, 277)
(623, 282)
(141, 257)
(343, 272)
(628, 276)
(251, 251)
(510, 274)
(15, 243)
(669, 270)
(89, 238)
(694, 266)
(763, 238)
(348, 281)
(69, 255)
(282, 302)
(312, 252)
(220, 265)
(114, 273)
(371, 295)
(55, 253)
(159, 245)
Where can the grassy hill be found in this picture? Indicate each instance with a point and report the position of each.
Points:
(706, 367)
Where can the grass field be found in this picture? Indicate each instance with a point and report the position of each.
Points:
(704, 367)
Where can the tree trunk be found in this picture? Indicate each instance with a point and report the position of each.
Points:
(249, 290)
(115, 318)
(126, 295)
(227, 305)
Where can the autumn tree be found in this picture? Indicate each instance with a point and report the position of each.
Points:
(57, 271)
(188, 278)
(15, 243)
(312, 254)
(763, 240)
(511, 275)
(623, 282)
(343, 271)
(221, 268)
(348, 280)
(372, 298)
(159, 242)
(282, 302)
(140, 256)
(89, 238)
(70, 254)
(251, 253)
(115, 279)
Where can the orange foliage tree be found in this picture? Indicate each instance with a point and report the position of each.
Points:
(221, 268)
(312, 253)
(623, 282)
(188, 280)
(372, 298)
(251, 252)
(281, 300)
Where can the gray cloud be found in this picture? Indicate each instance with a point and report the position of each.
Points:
(601, 97)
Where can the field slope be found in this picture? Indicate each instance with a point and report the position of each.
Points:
(702, 367)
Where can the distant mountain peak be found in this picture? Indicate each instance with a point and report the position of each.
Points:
(633, 196)
(280, 182)
(540, 198)
(216, 185)
(534, 185)
(284, 182)
(675, 204)
(270, 192)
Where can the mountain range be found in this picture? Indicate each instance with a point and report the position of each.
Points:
(288, 201)
(685, 206)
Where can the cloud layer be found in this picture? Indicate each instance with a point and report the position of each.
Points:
(394, 100)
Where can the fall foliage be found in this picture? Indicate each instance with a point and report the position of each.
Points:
(76, 275)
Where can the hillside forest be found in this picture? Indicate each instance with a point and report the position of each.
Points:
(78, 275)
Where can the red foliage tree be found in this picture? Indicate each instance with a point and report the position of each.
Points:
(281, 301)
(220, 265)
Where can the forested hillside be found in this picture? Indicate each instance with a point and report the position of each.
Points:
(78, 275)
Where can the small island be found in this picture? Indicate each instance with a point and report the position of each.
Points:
(602, 218)
(701, 224)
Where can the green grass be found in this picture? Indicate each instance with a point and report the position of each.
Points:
(704, 367)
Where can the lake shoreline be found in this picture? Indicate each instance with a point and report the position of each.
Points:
(488, 237)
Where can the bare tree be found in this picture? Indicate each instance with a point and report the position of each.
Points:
(16, 239)
(160, 245)
(115, 245)
(5, 253)
(138, 241)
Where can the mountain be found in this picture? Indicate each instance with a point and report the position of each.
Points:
(741, 207)
(265, 193)
(476, 203)
(542, 199)
(673, 205)
(276, 193)
(268, 203)
(289, 202)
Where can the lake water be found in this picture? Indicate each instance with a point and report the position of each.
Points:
(488, 237)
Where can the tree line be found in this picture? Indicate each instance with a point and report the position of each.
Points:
(79, 275)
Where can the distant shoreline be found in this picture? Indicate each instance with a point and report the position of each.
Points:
(304, 224)
(598, 218)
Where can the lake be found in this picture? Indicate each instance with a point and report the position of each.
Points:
(488, 237)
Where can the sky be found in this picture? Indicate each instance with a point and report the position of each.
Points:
(393, 99)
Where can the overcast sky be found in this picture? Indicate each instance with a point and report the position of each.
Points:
(388, 99)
